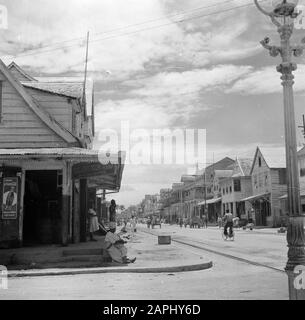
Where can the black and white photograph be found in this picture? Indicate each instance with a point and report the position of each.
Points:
(152, 151)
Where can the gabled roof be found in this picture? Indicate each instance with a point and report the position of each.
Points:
(15, 66)
(274, 157)
(34, 106)
(243, 167)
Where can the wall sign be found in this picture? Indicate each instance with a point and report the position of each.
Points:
(10, 199)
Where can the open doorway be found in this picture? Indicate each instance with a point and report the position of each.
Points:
(42, 208)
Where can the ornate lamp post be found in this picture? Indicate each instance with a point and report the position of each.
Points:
(283, 16)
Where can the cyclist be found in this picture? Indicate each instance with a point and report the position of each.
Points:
(228, 219)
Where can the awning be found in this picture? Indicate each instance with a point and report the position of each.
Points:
(106, 177)
(285, 196)
(258, 196)
(211, 201)
(85, 163)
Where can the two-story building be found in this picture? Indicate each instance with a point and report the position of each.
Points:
(236, 187)
(211, 202)
(268, 175)
(48, 172)
(301, 163)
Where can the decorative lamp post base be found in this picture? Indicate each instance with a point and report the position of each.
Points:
(295, 268)
(295, 280)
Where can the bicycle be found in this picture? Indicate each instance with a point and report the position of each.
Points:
(228, 237)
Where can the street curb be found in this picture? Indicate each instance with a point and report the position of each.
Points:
(176, 269)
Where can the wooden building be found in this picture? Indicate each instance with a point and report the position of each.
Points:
(48, 172)
(236, 187)
(211, 200)
(268, 174)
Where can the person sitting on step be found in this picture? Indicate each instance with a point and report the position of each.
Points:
(115, 246)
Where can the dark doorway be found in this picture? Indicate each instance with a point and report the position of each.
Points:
(42, 208)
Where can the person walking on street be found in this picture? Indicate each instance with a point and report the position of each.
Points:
(181, 222)
(219, 221)
(133, 224)
(205, 221)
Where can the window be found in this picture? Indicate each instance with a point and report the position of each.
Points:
(303, 208)
(259, 161)
(282, 176)
(230, 189)
(237, 185)
(302, 172)
(1, 107)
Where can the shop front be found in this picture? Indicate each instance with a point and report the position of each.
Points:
(46, 194)
(261, 206)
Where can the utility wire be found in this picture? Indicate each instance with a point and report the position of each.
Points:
(137, 31)
(138, 24)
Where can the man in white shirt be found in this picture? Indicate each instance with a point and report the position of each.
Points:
(115, 246)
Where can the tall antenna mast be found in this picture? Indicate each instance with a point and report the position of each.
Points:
(86, 68)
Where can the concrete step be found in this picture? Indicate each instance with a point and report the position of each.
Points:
(84, 258)
(83, 252)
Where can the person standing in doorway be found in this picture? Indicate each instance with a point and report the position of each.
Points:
(112, 211)
(93, 222)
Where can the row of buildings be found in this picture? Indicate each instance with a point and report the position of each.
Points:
(49, 173)
(252, 189)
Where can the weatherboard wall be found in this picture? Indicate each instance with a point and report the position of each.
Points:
(20, 126)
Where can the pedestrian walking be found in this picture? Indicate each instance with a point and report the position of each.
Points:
(148, 222)
(181, 222)
(205, 221)
(133, 224)
(219, 221)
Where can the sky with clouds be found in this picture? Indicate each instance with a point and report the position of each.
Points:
(162, 64)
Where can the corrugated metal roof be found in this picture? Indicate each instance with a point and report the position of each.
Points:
(69, 89)
(56, 153)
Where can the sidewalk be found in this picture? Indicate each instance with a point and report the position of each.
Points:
(89, 258)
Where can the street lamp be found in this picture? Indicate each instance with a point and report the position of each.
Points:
(283, 15)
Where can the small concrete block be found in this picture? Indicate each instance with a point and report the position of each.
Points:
(164, 240)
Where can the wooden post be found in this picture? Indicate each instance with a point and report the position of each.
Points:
(21, 211)
(65, 207)
(83, 210)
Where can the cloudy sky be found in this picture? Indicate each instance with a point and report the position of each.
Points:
(162, 64)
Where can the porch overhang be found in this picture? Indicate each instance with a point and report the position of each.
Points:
(211, 201)
(85, 163)
(256, 197)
